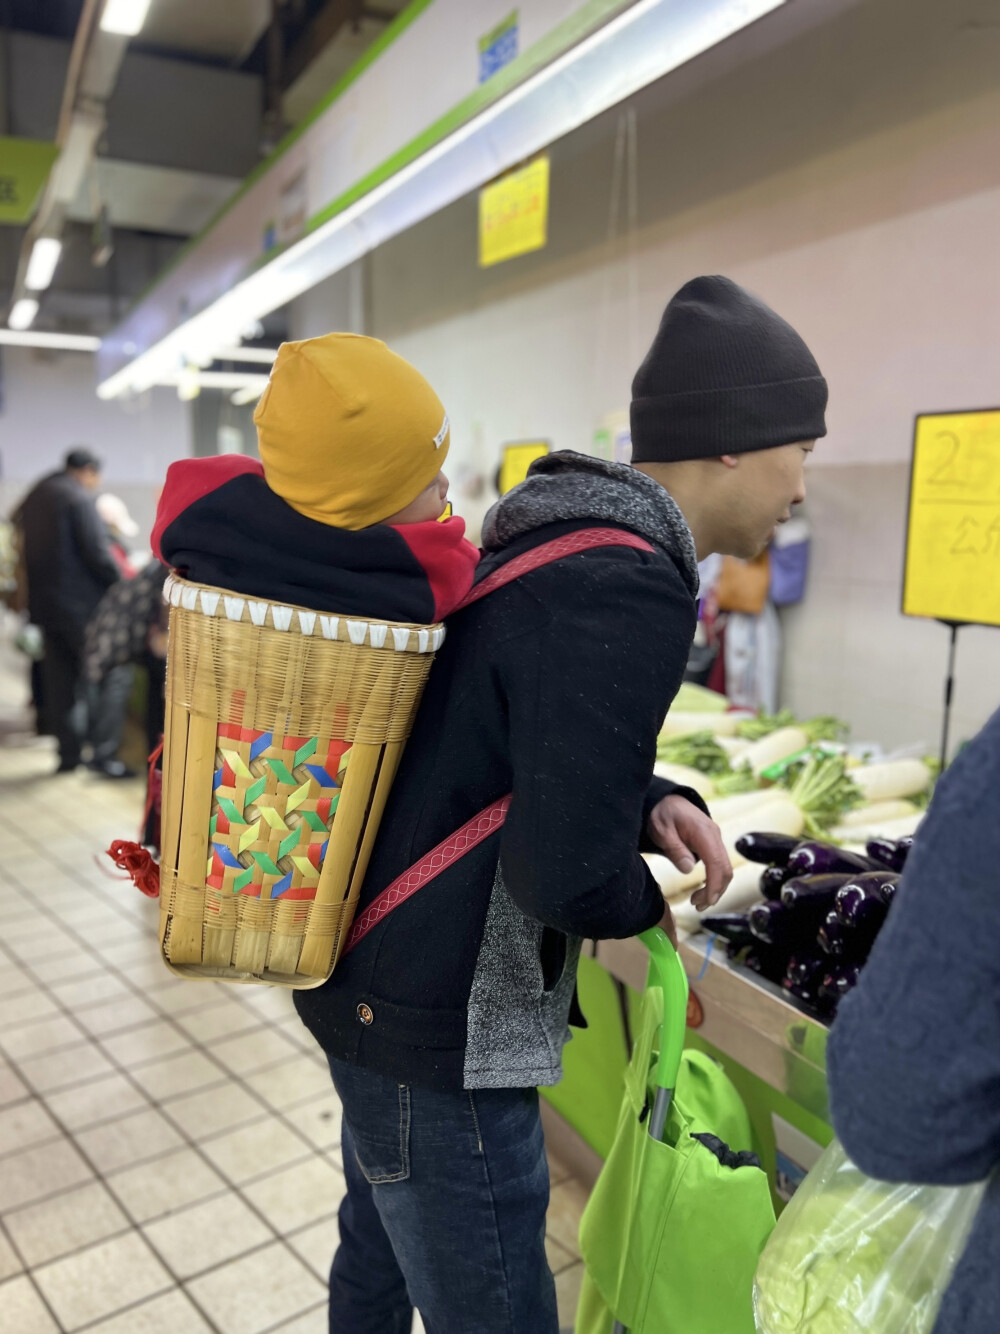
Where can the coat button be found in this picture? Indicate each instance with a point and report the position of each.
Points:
(365, 1014)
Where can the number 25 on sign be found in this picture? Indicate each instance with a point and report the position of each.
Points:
(953, 534)
(514, 214)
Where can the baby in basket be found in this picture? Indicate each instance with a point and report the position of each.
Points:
(342, 512)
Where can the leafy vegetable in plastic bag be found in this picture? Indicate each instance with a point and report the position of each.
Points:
(855, 1256)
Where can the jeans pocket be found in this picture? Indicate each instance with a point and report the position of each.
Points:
(380, 1128)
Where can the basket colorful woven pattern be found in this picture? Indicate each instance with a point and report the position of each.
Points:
(272, 812)
(284, 731)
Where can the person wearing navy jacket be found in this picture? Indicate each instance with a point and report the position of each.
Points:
(443, 1020)
(914, 1056)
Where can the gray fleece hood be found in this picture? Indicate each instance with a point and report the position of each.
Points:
(566, 486)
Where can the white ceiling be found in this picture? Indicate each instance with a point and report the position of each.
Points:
(226, 29)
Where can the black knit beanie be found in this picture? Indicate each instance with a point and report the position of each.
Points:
(725, 375)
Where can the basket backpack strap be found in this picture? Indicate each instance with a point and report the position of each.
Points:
(584, 539)
(488, 821)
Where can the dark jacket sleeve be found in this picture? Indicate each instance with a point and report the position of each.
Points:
(657, 790)
(914, 1057)
(92, 542)
(584, 712)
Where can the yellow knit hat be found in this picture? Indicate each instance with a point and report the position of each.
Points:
(349, 432)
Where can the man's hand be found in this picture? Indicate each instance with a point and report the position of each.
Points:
(685, 835)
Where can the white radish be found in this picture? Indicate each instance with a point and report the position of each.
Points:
(779, 816)
(880, 810)
(720, 724)
(892, 779)
(743, 891)
(741, 803)
(786, 741)
(854, 833)
(734, 746)
(686, 777)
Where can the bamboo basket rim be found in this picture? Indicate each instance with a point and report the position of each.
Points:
(291, 618)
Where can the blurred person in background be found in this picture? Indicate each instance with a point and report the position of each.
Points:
(68, 565)
(122, 528)
(109, 684)
(125, 633)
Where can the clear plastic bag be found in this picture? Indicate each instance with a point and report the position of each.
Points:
(855, 1256)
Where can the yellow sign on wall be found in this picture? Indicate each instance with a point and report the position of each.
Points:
(514, 214)
(24, 168)
(953, 534)
(517, 459)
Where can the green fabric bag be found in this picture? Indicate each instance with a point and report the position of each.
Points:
(675, 1225)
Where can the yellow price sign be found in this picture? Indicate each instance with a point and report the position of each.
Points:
(514, 214)
(517, 459)
(953, 534)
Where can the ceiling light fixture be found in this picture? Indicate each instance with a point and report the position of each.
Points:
(42, 264)
(22, 313)
(59, 342)
(124, 17)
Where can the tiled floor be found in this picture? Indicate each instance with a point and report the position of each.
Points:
(169, 1151)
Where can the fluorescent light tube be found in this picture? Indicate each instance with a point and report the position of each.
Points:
(60, 342)
(42, 264)
(124, 17)
(23, 313)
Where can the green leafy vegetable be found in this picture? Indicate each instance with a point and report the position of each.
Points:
(820, 787)
(698, 750)
(764, 724)
(742, 779)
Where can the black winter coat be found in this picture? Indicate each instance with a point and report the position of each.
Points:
(67, 555)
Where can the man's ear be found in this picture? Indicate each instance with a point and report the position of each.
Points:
(730, 460)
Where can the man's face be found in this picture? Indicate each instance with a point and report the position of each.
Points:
(90, 477)
(764, 486)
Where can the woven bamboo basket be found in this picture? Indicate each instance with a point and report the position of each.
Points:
(284, 730)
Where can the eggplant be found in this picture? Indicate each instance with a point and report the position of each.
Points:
(768, 849)
(865, 897)
(786, 928)
(771, 880)
(887, 889)
(766, 962)
(838, 981)
(835, 935)
(815, 858)
(863, 918)
(813, 891)
(890, 852)
(732, 927)
(804, 978)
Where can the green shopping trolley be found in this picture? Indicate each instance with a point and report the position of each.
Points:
(681, 1211)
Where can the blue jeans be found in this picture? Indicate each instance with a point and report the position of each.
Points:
(445, 1211)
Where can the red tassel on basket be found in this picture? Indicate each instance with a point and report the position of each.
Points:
(139, 864)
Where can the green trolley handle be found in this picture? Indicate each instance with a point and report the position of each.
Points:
(666, 972)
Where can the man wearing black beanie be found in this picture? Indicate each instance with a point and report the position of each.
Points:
(451, 1011)
(725, 409)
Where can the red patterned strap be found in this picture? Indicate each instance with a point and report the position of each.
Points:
(584, 539)
(444, 855)
(487, 822)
